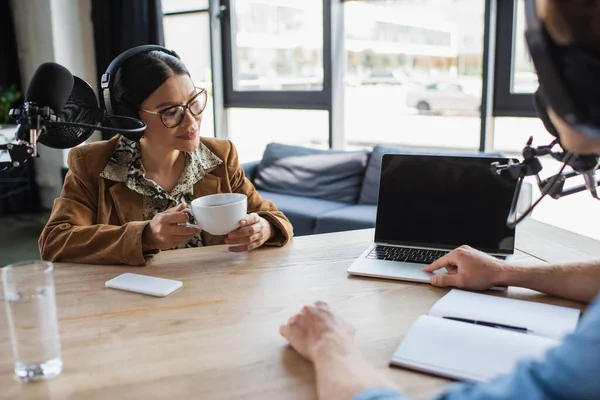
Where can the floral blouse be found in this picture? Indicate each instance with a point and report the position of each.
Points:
(126, 166)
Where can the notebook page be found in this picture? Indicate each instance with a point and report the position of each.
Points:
(543, 319)
(466, 351)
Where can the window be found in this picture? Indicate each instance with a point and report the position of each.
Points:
(275, 54)
(251, 129)
(413, 73)
(178, 6)
(277, 45)
(524, 78)
(276, 80)
(187, 32)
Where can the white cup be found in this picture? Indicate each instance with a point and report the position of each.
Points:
(218, 214)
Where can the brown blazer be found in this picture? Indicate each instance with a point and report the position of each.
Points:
(99, 221)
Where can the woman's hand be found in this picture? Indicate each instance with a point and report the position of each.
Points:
(253, 232)
(166, 230)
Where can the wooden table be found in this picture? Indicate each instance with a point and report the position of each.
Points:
(217, 337)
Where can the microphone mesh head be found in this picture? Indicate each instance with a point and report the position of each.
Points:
(50, 86)
(81, 107)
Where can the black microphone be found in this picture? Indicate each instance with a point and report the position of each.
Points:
(46, 95)
(60, 111)
(50, 86)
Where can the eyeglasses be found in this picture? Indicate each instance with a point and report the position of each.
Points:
(173, 115)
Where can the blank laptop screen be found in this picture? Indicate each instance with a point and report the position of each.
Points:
(444, 202)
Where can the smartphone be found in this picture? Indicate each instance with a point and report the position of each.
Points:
(144, 284)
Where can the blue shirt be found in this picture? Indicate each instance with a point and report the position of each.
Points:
(568, 371)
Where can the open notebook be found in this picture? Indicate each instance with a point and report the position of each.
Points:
(473, 352)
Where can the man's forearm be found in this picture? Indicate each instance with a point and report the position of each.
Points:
(343, 377)
(576, 281)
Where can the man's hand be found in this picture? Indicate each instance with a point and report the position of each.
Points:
(254, 231)
(327, 340)
(467, 269)
(317, 332)
(165, 230)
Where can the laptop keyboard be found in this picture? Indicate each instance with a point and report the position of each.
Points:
(407, 254)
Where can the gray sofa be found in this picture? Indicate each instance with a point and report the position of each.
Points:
(323, 191)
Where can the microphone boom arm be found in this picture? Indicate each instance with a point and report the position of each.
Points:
(558, 190)
(554, 185)
(141, 125)
(19, 153)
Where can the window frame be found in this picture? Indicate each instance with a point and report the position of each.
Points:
(507, 103)
(284, 99)
(206, 10)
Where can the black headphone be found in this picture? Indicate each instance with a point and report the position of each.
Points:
(106, 98)
(554, 90)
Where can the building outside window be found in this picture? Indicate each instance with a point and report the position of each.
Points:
(413, 73)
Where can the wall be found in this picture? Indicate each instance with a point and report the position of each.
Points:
(59, 31)
(73, 38)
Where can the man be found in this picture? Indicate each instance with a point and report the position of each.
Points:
(569, 371)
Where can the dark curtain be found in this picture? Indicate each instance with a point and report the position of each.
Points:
(122, 24)
(9, 67)
(18, 190)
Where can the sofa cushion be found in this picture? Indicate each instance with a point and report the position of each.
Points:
(358, 216)
(301, 211)
(323, 174)
(370, 186)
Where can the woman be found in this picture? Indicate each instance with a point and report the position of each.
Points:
(123, 200)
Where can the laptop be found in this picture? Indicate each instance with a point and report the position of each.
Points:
(430, 204)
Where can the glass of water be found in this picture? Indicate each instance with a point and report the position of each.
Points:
(32, 319)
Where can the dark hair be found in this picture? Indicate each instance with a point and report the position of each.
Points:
(139, 77)
(578, 20)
